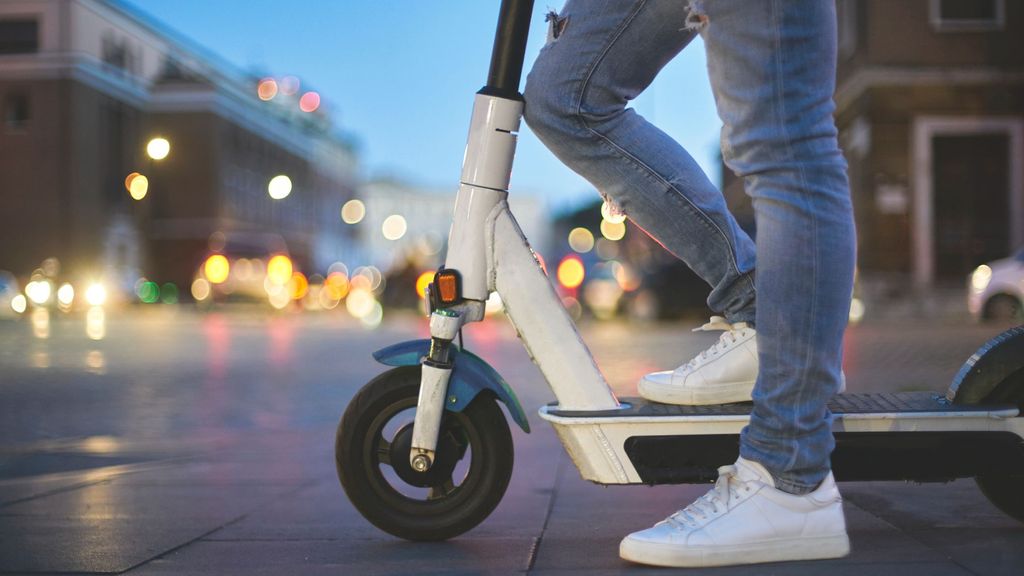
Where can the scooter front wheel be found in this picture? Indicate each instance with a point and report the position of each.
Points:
(471, 469)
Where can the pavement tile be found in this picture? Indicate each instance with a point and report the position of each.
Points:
(365, 557)
(989, 551)
(917, 506)
(116, 502)
(47, 544)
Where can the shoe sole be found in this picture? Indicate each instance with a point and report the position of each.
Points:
(719, 394)
(780, 550)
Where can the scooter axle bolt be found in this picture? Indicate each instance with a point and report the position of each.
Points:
(420, 463)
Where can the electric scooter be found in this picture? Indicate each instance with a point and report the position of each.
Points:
(424, 452)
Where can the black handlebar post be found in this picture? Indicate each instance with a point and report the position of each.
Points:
(509, 49)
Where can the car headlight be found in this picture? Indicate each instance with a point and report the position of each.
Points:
(980, 278)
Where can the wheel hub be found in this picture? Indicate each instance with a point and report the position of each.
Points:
(446, 457)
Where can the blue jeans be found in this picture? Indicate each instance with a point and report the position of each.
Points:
(772, 70)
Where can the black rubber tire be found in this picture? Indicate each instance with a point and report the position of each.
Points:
(1003, 308)
(1006, 491)
(483, 427)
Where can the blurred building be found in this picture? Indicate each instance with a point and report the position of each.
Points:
(85, 85)
(930, 109)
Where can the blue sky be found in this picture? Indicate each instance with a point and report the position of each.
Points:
(400, 76)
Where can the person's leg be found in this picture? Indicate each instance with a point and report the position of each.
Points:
(772, 67)
(600, 55)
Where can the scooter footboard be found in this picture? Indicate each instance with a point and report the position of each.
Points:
(905, 436)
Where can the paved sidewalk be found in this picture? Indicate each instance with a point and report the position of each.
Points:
(251, 489)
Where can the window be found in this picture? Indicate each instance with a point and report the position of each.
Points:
(967, 15)
(19, 36)
(17, 112)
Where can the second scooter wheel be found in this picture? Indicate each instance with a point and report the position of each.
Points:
(1004, 491)
(472, 467)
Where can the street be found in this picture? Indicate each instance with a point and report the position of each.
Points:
(169, 441)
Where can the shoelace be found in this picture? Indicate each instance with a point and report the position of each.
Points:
(726, 340)
(719, 497)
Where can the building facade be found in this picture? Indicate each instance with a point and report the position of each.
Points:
(930, 108)
(84, 85)
(930, 112)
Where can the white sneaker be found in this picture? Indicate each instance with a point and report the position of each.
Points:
(744, 519)
(724, 373)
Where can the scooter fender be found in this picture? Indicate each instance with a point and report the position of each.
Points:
(470, 376)
(986, 376)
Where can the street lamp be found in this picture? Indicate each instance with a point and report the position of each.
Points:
(158, 148)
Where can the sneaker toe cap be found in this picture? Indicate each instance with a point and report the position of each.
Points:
(657, 379)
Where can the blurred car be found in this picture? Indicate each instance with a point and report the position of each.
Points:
(995, 291)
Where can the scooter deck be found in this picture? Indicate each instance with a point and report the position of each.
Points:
(889, 436)
(843, 404)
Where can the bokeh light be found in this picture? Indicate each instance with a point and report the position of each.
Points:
(360, 302)
(611, 214)
(373, 318)
(217, 268)
(138, 185)
(981, 277)
(279, 270)
(96, 363)
(96, 294)
(571, 272)
(602, 297)
(148, 292)
(280, 187)
(394, 227)
(336, 285)
(368, 277)
(169, 293)
(613, 231)
(158, 148)
(624, 275)
(39, 291)
(309, 102)
(353, 212)
(41, 323)
(19, 303)
(581, 240)
(267, 89)
(298, 286)
(65, 296)
(279, 297)
(200, 289)
(422, 282)
(96, 323)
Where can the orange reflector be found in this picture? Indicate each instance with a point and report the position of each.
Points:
(447, 286)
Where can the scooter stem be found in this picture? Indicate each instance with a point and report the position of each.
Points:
(509, 49)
